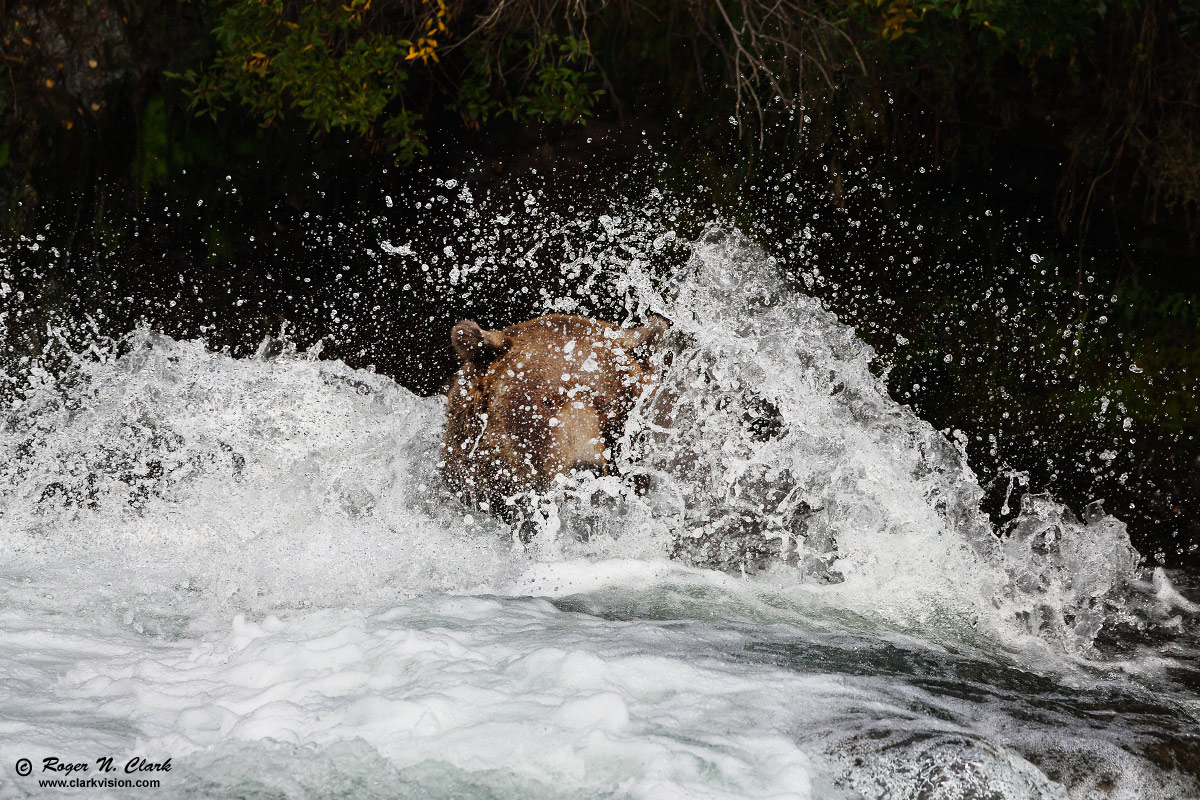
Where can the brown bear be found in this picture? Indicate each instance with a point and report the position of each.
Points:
(537, 400)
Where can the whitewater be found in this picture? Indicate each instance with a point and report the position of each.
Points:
(249, 567)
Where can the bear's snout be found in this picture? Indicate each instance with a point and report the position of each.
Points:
(577, 435)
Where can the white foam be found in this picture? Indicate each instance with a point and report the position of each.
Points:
(249, 566)
(525, 697)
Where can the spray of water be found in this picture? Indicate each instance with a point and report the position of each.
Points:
(770, 447)
(772, 439)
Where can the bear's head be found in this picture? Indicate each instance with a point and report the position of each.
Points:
(537, 400)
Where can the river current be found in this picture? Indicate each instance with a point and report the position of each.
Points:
(248, 566)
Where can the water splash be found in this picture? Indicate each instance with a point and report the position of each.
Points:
(773, 438)
(771, 446)
(180, 475)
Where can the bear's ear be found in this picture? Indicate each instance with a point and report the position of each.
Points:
(646, 336)
(474, 344)
(641, 341)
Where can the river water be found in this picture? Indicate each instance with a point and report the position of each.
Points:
(248, 566)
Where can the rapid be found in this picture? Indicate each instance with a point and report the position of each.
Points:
(249, 566)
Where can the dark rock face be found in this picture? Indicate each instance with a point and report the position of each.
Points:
(76, 74)
(72, 55)
(67, 62)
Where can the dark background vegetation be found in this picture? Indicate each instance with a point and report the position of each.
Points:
(1003, 196)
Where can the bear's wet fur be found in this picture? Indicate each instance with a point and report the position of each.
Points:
(538, 400)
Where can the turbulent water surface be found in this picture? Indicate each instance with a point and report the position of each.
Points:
(250, 567)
